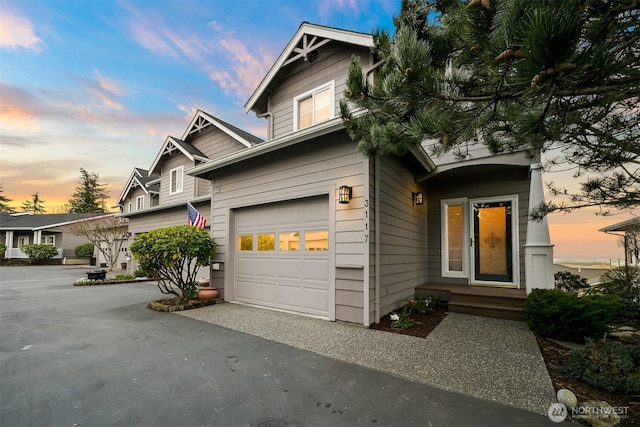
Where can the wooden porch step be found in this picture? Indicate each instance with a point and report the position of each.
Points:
(487, 310)
(501, 303)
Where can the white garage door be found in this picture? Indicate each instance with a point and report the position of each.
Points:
(282, 255)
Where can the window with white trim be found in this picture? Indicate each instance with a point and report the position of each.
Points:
(139, 203)
(313, 107)
(454, 232)
(175, 180)
(129, 207)
(48, 240)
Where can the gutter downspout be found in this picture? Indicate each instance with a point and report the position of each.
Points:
(376, 220)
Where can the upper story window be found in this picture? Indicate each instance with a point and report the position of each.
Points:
(175, 180)
(313, 107)
(139, 203)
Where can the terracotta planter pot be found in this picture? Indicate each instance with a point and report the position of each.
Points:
(204, 282)
(207, 293)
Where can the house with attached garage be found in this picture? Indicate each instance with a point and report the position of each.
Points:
(305, 223)
(158, 196)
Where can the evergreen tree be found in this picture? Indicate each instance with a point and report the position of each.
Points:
(515, 75)
(90, 196)
(4, 203)
(35, 205)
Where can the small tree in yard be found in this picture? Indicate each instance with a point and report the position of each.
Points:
(39, 254)
(108, 234)
(174, 255)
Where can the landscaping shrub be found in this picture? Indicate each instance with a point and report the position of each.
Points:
(124, 276)
(562, 315)
(173, 255)
(422, 304)
(609, 366)
(139, 273)
(38, 254)
(570, 282)
(84, 251)
(3, 248)
(624, 283)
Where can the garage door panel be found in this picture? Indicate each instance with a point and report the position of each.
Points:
(289, 296)
(290, 268)
(316, 269)
(265, 292)
(296, 280)
(290, 214)
(266, 267)
(316, 211)
(245, 265)
(316, 299)
(245, 290)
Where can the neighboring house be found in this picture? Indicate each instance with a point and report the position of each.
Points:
(630, 230)
(158, 197)
(304, 222)
(18, 230)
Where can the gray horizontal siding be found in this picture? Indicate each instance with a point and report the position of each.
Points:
(472, 185)
(214, 143)
(188, 185)
(301, 77)
(403, 247)
(349, 295)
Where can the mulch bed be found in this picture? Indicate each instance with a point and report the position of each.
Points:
(555, 354)
(428, 323)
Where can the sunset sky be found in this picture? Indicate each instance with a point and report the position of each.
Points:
(100, 84)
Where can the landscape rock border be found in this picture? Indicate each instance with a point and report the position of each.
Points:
(163, 306)
(111, 282)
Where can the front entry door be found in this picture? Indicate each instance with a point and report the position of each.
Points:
(493, 243)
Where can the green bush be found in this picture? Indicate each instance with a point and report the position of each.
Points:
(173, 255)
(3, 248)
(139, 273)
(570, 282)
(38, 254)
(124, 276)
(84, 251)
(609, 366)
(562, 315)
(623, 282)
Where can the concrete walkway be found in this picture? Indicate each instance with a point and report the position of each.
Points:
(489, 358)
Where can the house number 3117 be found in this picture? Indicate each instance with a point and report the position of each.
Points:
(366, 220)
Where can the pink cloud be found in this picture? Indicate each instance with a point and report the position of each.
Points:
(329, 7)
(245, 63)
(16, 32)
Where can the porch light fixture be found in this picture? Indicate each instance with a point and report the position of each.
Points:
(418, 198)
(344, 194)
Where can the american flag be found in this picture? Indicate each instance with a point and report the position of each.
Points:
(195, 218)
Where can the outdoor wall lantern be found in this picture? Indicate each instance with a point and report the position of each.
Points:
(344, 194)
(418, 198)
(127, 256)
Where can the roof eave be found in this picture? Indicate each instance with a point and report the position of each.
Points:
(329, 126)
(345, 36)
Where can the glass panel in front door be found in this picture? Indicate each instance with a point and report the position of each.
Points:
(492, 235)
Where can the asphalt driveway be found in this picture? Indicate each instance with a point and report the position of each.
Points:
(96, 356)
